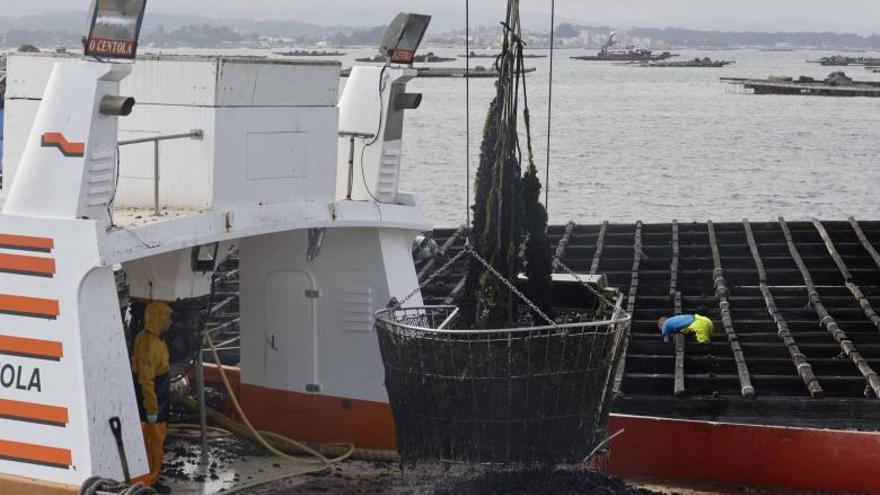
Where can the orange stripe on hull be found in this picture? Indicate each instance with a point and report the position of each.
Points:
(35, 454)
(31, 348)
(27, 265)
(34, 413)
(29, 306)
(26, 243)
(319, 418)
(69, 149)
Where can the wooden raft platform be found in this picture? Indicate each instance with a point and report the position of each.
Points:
(797, 339)
(474, 73)
(819, 88)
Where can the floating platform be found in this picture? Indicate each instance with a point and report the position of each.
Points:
(775, 359)
(696, 63)
(635, 56)
(313, 53)
(844, 61)
(807, 86)
(473, 73)
(496, 55)
(428, 58)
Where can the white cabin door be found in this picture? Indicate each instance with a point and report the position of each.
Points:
(289, 339)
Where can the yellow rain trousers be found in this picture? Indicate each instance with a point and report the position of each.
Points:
(150, 365)
(702, 328)
(154, 439)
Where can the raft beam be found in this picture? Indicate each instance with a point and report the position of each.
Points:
(630, 302)
(721, 292)
(847, 346)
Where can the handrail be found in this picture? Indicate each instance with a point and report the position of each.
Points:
(196, 134)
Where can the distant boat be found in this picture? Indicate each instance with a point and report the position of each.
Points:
(428, 58)
(313, 53)
(628, 54)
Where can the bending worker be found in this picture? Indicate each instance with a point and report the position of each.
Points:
(698, 325)
(150, 365)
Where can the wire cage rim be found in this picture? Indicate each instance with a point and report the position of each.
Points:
(385, 317)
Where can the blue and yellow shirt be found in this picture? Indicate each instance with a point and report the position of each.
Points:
(698, 325)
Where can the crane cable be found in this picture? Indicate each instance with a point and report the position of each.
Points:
(550, 104)
(467, 104)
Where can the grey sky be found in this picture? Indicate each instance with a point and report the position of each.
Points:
(766, 15)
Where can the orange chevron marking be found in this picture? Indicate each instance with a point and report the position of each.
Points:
(35, 413)
(29, 306)
(56, 139)
(26, 243)
(31, 348)
(27, 265)
(35, 454)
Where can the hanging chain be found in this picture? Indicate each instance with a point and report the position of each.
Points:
(470, 250)
(440, 271)
(558, 263)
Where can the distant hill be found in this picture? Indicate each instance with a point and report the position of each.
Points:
(74, 22)
(66, 29)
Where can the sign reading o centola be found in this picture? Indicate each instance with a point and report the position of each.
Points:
(114, 29)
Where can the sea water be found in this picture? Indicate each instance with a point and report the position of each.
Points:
(654, 144)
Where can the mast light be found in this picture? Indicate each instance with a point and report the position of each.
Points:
(403, 37)
(114, 28)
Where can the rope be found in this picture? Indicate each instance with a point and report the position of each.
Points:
(550, 104)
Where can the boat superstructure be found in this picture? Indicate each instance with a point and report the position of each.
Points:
(216, 151)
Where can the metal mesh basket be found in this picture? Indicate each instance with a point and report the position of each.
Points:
(538, 394)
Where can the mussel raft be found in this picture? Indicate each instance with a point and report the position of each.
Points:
(796, 340)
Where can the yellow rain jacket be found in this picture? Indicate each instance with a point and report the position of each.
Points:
(702, 328)
(150, 365)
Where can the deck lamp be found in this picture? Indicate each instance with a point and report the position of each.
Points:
(114, 28)
(403, 37)
(204, 258)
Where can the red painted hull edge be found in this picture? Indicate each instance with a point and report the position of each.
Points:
(746, 455)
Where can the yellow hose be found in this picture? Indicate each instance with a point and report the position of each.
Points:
(227, 424)
(320, 459)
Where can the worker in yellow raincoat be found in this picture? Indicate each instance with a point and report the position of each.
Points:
(698, 325)
(150, 365)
